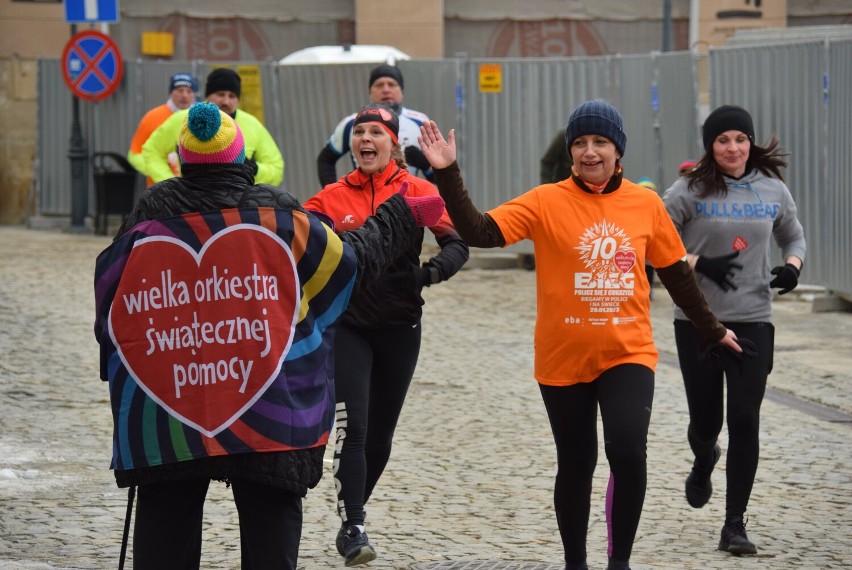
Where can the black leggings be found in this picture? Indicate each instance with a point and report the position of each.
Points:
(625, 394)
(746, 385)
(167, 530)
(373, 370)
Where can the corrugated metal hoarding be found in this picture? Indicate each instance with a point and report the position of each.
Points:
(506, 112)
(802, 92)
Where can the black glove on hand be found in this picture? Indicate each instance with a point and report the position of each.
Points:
(713, 354)
(415, 157)
(251, 164)
(786, 278)
(719, 269)
(409, 280)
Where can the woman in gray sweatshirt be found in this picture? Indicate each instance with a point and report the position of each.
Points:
(727, 210)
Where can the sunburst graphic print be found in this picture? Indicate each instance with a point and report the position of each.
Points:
(605, 251)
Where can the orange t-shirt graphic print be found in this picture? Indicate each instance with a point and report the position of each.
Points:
(593, 306)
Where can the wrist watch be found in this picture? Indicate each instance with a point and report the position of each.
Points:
(434, 276)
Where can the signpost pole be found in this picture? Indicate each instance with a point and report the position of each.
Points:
(78, 154)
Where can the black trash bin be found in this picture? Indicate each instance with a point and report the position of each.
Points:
(115, 187)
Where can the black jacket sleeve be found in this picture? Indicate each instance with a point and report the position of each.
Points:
(474, 227)
(382, 239)
(680, 282)
(326, 169)
(452, 257)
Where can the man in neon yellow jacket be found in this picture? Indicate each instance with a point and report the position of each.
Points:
(223, 89)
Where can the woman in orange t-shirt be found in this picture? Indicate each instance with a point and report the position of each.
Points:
(592, 234)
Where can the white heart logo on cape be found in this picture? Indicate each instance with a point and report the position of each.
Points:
(205, 333)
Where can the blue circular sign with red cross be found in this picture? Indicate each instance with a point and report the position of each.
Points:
(92, 65)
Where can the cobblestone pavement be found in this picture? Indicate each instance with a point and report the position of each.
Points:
(471, 475)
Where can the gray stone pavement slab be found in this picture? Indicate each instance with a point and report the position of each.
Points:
(469, 484)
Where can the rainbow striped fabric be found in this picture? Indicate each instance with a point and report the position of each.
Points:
(216, 334)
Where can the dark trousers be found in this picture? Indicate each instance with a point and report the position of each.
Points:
(167, 531)
(625, 394)
(373, 370)
(705, 395)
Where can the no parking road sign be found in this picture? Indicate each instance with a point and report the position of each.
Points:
(91, 65)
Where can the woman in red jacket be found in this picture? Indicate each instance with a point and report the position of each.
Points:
(378, 340)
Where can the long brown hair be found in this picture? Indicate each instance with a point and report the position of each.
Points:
(708, 179)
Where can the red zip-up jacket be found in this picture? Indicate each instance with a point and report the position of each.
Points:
(347, 203)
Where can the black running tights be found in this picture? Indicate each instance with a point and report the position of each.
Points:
(373, 370)
(625, 394)
(746, 385)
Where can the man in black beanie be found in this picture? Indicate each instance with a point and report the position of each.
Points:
(223, 88)
(385, 87)
(225, 80)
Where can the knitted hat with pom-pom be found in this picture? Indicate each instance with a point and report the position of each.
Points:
(209, 136)
(647, 183)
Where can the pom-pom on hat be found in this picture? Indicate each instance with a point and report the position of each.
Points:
(385, 70)
(183, 80)
(723, 119)
(376, 113)
(223, 79)
(209, 136)
(597, 117)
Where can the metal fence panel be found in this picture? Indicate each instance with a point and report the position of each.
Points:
(52, 176)
(802, 91)
(836, 199)
(657, 100)
(784, 88)
(504, 134)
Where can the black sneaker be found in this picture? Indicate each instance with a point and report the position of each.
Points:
(734, 539)
(698, 485)
(354, 546)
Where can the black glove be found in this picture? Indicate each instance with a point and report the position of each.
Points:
(251, 164)
(786, 278)
(415, 157)
(411, 279)
(719, 269)
(714, 355)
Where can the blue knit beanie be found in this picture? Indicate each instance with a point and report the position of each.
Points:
(183, 80)
(597, 117)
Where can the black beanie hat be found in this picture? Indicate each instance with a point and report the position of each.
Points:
(597, 117)
(726, 118)
(385, 70)
(377, 113)
(223, 79)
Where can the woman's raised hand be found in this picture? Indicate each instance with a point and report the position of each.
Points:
(440, 153)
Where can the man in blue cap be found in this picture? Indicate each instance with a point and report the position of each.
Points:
(182, 89)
